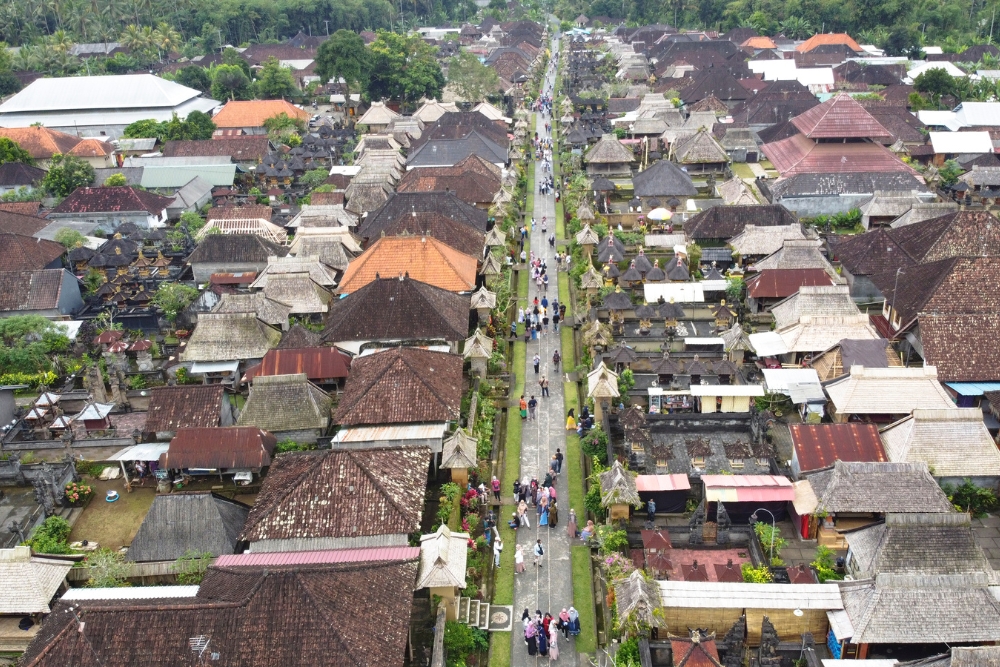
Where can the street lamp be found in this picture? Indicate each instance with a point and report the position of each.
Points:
(753, 519)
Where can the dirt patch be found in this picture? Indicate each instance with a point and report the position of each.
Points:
(113, 525)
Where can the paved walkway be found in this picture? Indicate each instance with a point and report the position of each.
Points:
(549, 588)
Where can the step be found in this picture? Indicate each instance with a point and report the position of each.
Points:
(463, 610)
(484, 616)
(501, 618)
(473, 613)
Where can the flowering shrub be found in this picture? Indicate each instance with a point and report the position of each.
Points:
(617, 566)
(78, 493)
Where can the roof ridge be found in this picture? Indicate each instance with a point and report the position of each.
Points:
(291, 485)
(420, 377)
(352, 455)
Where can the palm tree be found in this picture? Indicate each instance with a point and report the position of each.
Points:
(60, 41)
(166, 37)
(26, 59)
(134, 38)
(796, 27)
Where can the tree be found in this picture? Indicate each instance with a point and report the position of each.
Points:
(108, 569)
(282, 123)
(69, 237)
(275, 81)
(166, 37)
(195, 77)
(343, 56)
(191, 567)
(936, 83)
(314, 177)
(473, 80)
(66, 174)
(11, 151)
(199, 125)
(192, 222)
(112, 180)
(142, 129)
(232, 57)
(903, 41)
(172, 298)
(403, 68)
(949, 173)
(229, 82)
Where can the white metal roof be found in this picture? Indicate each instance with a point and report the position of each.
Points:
(137, 593)
(715, 340)
(936, 118)
(112, 115)
(978, 113)
(722, 595)
(961, 142)
(679, 292)
(814, 76)
(778, 379)
(843, 629)
(128, 91)
(146, 451)
(727, 390)
(936, 64)
(200, 367)
(96, 411)
(767, 344)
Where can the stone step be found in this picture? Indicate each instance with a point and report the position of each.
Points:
(501, 618)
(463, 610)
(474, 613)
(484, 616)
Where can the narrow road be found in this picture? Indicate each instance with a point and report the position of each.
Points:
(549, 588)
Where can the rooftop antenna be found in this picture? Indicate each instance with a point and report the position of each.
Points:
(199, 644)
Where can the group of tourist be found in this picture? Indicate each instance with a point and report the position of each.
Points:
(541, 633)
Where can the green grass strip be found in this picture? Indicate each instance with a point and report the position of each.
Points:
(583, 599)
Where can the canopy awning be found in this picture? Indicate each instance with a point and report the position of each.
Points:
(205, 367)
(146, 451)
(678, 482)
(767, 344)
(747, 488)
(727, 390)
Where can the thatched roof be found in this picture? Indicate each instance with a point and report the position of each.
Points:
(609, 151)
(459, 451)
(618, 486)
(635, 595)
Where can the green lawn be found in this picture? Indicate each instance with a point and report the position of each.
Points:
(742, 169)
(583, 599)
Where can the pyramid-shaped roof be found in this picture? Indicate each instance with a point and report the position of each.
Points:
(459, 451)
(840, 117)
(602, 382)
(608, 150)
(478, 345)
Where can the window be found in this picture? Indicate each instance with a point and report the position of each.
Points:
(661, 463)
(698, 461)
(762, 462)
(637, 447)
(736, 463)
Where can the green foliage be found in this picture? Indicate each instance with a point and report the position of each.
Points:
(770, 539)
(110, 181)
(195, 77)
(184, 377)
(192, 222)
(756, 575)
(51, 536)
(343, 56)
(450, 490)
(314, 177)
(846, 221)
(734, 290)
(610, 540)
(230, 82)
(935, 82)
(473, 80)
(460, 641)
(275, 81)
(137, 382)
(108, 569)
(66, 174)
(292, 446)
(824, 565)
(197, 125)
(70, 238)
(968, 497)
(628, 653)
(33, 380)
(625, 383)
(595, 443)
(27, 345)
(172, 298)
(11, 151)
(403, 67)
(949, 172)
(191, 567)
(282, 123)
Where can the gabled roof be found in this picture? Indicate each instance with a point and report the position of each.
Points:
(663, 178)
(253, 113)
(30, 582)
(230, 336)
(41, 142)
(179, 523)
(962, 346)
(220, 448)
(822, 300)
(171, 408)
(18, 174)
(454, 233)
(888, 391)
(930, 436)
(796, 254)
(424, 258)
(432, 382)
(267, 310)
(715, 81)
(377, 114)
(446, 204)
(114, 198)
(30, 290)
(318, 363)
(370, 492)
(391, 308)
(699, 148)
(756, 240)
(459, 450)
(290, 613)
(25, 224)
(618, 486)
(823, 39)
(247, 148)
(840, 117)
(875, 487)
(800, 155)
(608, 150)
(782, 283)
(286, 403)
(821, 445)
(724, 222)
(838, 358)
(24, 253)
(443, 558)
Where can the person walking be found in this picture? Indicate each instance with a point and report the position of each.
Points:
(651, 510)
(553, 514)
(571, 526)
(559, 460)
(556, 358)
(496, 488)
(564, 621)
(553, 642)
(519, 559)
(497, 549)
(523, 407)
(544, 382)
(539, 553)
(532, 406)
(574, 621)
(531, 637)
(522, 514)
(536, 362)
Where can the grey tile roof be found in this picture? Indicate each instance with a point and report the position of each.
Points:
(877, 487)
(181, 522)
(222, 336)
(286, 403)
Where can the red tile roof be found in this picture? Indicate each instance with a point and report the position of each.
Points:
(41, 142)
(819, 445)
(229, 447)
(781, 283)
(171, 408)
(800, 155)
(424, 258)
(114, 198)
(318, 363)
(24, 253)
(255, 112)
(840, 117)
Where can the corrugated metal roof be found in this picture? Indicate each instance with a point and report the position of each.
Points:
(720, 595)
(176, 176)
(148, 451)
(973, 388)
(99, 92)
(318, 557)
(747, 488)
(396, 432)
(819, 445)
(678, 482)
(137, 593)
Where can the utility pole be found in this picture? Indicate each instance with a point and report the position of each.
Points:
(991, 23)
(327, 28)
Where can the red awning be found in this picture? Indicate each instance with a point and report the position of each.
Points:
(662, 483)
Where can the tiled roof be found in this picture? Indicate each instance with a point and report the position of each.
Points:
(962, 346)
(30, 583)
(223, 448)
(861, 486)
(840, 117)
(456, 234)
(251, 148)
(92, 148)
(801, 155)
(423, 258)
(395, 308)
(781, 283)
(431, 381)
(929, 436)
(181, 523)
(254, 113)
(408, 203)
(958, 234)
(247, 211)
(12, 222)
(277, 615)
(24, 253)
(888, 391)
(362, 492)
(114, 198)
(715, 81)
(235, 248)
(30, 290)
(956, 286)
(823, 300)
(725, 222)
(180, 406)
(18, 174)
(663, 178)
(827, 38)
(820, 445)
(286, 403)
(318, 363)
(870, 253)
(40, 142)
(30, 208)
(225, 336)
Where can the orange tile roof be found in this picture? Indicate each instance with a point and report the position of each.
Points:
(255, 112)
(760, 42)
(41, 142)
(828, 38)
(92, 148)
(425, 258)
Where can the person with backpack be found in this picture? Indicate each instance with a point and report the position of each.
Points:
(539, 553)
